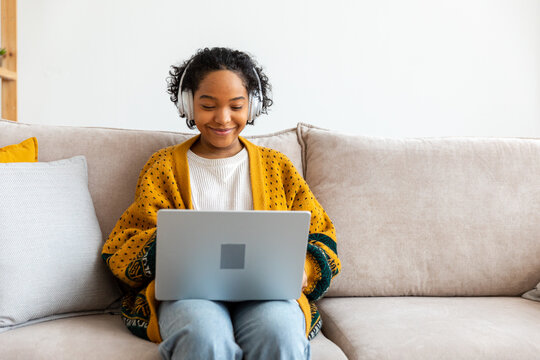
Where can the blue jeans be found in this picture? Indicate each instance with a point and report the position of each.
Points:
(204, 329)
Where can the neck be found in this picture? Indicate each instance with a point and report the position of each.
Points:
(207, 150)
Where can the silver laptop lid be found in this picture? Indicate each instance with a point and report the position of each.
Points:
(230, 255)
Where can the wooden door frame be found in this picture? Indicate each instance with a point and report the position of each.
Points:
(8, 69)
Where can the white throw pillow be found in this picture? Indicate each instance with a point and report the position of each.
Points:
(50, 241)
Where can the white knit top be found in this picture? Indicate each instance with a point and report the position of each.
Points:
(220, 184)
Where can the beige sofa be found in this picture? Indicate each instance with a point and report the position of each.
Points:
(438, 238)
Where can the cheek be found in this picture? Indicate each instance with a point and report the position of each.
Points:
(241, 121)
(201, 116)
(242, 116)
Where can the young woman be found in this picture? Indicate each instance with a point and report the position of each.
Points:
(219, 91)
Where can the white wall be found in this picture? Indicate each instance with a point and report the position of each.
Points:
(375, 67)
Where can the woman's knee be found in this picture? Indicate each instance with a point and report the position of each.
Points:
(175, 315)
(197, 330)
(272, 330)
(276, 342)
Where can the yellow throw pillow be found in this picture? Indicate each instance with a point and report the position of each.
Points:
(26, 151)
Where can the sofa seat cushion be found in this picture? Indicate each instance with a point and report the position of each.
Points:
(82, 337)
(433, 327)
(324, 349)
(102, 337)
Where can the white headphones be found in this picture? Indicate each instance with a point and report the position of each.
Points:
(185, 101)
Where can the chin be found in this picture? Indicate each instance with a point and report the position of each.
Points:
(220, 143)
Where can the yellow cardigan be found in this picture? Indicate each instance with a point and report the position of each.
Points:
(164, 184)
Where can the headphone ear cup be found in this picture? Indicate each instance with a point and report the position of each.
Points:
(187, 103)
(250, 109)
(180, 104)
(255, 107)
(258, 106)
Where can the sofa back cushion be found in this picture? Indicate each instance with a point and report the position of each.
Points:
(430, 216)
(116, 156)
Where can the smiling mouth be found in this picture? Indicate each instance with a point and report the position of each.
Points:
(222, 131)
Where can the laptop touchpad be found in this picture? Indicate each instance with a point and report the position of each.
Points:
(233, 256)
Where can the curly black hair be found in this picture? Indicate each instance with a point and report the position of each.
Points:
(218, 58)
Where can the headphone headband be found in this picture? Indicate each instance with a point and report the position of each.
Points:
(260, 94)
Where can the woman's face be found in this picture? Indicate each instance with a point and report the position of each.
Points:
(220, 109)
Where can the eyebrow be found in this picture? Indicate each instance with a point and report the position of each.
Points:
(213, 98)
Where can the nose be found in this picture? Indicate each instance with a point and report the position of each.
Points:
(222, 116)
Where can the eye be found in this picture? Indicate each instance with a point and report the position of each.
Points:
(236, 107)
(207, 107)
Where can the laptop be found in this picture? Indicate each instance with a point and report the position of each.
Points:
(230, 255)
